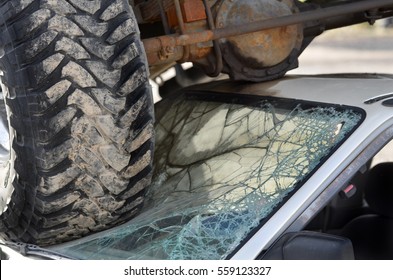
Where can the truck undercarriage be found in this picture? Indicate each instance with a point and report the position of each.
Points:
(254, 40)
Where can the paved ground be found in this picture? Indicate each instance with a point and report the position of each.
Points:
(351, 49)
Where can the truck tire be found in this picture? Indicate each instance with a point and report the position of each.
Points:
(76, 123)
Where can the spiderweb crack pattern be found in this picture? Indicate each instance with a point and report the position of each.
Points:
(220, 169)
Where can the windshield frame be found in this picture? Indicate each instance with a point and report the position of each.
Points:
(254, 101)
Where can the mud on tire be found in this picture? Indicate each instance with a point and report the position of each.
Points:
(75, 85)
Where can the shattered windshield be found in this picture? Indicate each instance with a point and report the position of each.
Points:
(220, 170)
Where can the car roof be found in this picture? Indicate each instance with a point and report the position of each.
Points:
(345, 89)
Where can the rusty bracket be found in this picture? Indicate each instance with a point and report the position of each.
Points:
(216, 46)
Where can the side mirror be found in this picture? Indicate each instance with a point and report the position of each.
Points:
(308, 245)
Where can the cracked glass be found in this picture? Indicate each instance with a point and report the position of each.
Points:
(220, 170)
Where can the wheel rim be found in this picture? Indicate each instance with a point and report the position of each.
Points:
(6, 154)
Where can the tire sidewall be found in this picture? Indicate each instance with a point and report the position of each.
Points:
(7, 174)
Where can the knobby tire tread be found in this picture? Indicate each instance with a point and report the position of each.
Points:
(82, 113)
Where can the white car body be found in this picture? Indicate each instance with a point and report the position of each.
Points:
(365, 92)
